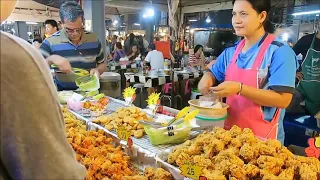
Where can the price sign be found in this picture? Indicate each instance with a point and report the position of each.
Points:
(123, 133)
(191, 170)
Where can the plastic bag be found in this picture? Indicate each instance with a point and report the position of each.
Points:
(209, 100)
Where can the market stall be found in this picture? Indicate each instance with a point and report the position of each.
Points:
(116, 140)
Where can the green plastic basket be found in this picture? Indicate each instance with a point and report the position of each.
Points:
(88, 83)
(177, 135)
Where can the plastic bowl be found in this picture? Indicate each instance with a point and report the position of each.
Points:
(177, 135)
(209, 111)
(204, 121)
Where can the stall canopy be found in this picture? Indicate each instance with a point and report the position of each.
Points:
(32, 11)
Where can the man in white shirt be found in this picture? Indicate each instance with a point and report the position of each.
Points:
(155, 58)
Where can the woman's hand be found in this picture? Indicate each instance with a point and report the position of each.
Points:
(203, 88)
(227, 88)
(95, 71)
(205, 83)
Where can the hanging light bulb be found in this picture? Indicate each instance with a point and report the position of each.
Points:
(149, 11)
(208, 20)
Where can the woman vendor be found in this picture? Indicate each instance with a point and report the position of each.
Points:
(257, 74)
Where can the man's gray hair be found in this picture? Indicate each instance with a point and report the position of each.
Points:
(70, 11)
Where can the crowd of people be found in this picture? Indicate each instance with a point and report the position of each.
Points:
(135, 49)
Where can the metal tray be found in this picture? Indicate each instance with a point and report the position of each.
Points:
(138, 158)
(161, 160)
(142, 152)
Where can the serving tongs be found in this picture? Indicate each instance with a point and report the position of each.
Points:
(57, 70)
(187, 118)
(152, 124)
(181, 114)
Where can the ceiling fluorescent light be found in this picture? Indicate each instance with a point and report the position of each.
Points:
(193, 20)
(34, 23)
(306, 13)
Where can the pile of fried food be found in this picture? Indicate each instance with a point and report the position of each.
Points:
(102, 160)
(238, 154)
(151, 174)
(127, 117)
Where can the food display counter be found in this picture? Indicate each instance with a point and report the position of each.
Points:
(114, 145)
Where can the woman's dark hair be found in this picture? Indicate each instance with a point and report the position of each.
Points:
(131, 38)
(53, 23)
(197, 48)
(118, 45)
(259, 6)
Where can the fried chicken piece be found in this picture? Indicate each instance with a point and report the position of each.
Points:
(77, 139)
(251, 170)
(310, 161)
(307, 172)
(247, 136)
(237, 171)
(105, 178)
(149, 172)
(199, 142)
(182, 158)
(136, 177)
(225, 159)
(224, 136)
(235, 142)
(230, 154)
(161, 174)
(106, 164)
(213, 174)
(235, 131)
(115, 158)
(287, 174)
(248, 152)
(213, 148)
(87, 142)
(292, 163)
(194, 149)
(253, 162)
(284, 154)
(174, 155)
(138, 133)
(218, 130)
(200, 160)
(266, 149)
(271, 164)
(274, 143)
(223, 166)
(109, 126)
(186, 143)
(266, 175)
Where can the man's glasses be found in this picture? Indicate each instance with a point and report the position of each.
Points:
(71, 31)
